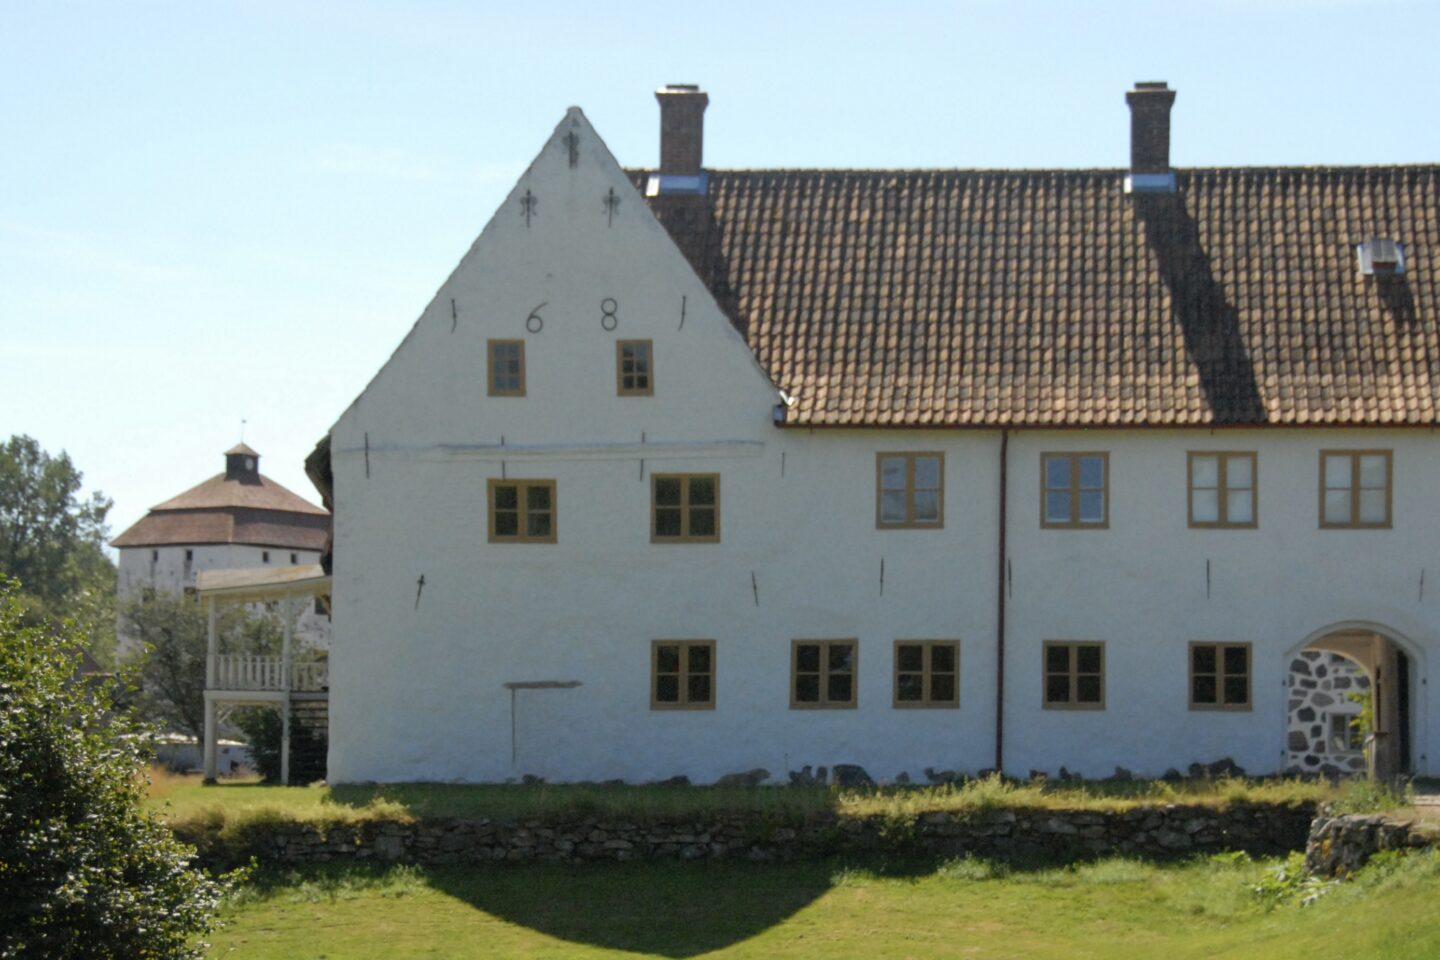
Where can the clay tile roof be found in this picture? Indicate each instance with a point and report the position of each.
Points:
(220, 492)
(241, 448)
(1052, 298)
(260, 513)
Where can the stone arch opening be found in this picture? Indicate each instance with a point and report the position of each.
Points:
(1325, 677)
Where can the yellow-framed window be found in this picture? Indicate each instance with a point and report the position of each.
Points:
(1074, 674)
(682, 675)
(1356, 488)
(505, 366)
(1075, 490)
(1219, 676)
(522, 511)
(1222, 489)
(927, 673)
(634, 368)
(824, 674)
(685, 508)
(909, 490)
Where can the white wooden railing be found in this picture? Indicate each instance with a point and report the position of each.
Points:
(245, 671)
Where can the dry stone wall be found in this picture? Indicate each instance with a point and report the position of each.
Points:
(1338, 846)
(1159, 832)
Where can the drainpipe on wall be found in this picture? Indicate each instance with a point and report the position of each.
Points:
(1000, 608)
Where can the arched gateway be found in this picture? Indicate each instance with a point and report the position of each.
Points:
(1330, 677)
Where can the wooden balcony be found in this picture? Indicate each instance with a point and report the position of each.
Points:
(257, 673)
(242, 679)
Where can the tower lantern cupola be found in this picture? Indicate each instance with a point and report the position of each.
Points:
(242, 464)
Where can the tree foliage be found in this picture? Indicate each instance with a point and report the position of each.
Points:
(85, 871)
(53, 543)
(172, 631)
(262, 729)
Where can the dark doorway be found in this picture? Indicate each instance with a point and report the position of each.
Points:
(1402, 698)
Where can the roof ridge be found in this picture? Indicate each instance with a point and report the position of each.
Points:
(1117, 171)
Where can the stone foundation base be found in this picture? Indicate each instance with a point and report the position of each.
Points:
(1161, 832)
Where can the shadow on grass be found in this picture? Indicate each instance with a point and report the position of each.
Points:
(669, 910)
(673, 909)
(676, 910)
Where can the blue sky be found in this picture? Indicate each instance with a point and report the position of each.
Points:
(217, 211)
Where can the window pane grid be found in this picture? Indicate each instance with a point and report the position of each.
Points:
(685, 508)
(823, 674)
(1076, 491)
(506, 368)
(910, 489)
(522, 511)
(1074, 676)
(926, 673)
(1220, 676)
(682, 675)
(1355, 488)
(1222, 489)
(633, 368)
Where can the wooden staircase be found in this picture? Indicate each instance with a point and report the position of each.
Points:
(309, 737)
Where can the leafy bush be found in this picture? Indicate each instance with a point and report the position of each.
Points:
(261, 728)
(1289, 883)
(85, 871)
(1367, 796)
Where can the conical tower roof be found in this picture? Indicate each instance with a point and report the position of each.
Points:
(240, 505)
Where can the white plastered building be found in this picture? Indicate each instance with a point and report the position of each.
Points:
(691, 472)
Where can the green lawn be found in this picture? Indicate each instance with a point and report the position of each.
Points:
(967, 909)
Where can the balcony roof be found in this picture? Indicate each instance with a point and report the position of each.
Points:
(263, 583)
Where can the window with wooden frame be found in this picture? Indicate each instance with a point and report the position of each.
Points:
(505, 363)
(1345, 734)
(1219, 676)
(909, 490)
(682, 675)
(927, 673)
(1355, 488)
(1222, 489)
(634, 375)
(823, 674)
(1076, 490)
(1074, 675)
(685, 508)
(522, 511)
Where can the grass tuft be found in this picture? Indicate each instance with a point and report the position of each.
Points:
(231, 809)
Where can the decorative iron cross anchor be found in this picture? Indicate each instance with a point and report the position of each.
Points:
(572, 143)
(528, 205)
(419, 588)
(612, 204)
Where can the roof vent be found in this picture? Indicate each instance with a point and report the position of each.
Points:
(1380, 257)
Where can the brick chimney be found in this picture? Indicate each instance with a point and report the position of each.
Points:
(1150, 139)
(682, 128)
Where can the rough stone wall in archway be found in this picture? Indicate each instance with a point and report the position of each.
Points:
(1319, 682)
